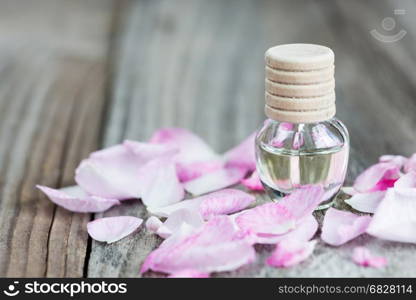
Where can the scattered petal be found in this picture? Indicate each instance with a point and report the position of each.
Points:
(166, 211)
(146, 152)
(153, 224)
(191, 147)
(410, 164)
(242, 156)
(253, 182)
(190, 171)
(224, 202)
(304, 231)
(112, 229)
(194, 158)
(349, 190)
(363, 257)
(340, 227)
(378, 177)
(290, 252)
(110, 173)
(304, 201)
(395, 217)
(221, 202)
(366, 202)
(267, 219)
(215, 247)
(177, 219)
(159, 183)
(331, 192)
(407, 181)
(399, 160)
(74, 199)
(215, 180)
(189, 274)
(305, 225)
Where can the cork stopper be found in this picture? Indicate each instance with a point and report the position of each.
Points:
(300, 84)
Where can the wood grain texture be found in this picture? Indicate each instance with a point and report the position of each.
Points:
(201, 67)
(52, 98)
(79, 75)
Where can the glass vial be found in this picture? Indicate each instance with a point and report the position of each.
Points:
(301, 143)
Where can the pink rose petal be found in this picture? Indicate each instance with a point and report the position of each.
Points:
(177, 219)
(253, 182)
(112, 229)
(146, 152)
(378, 177)
(189, 274)
(215, 247)
(153, 224)
(410, 164)
(290, 252)
(191, 147)
(304, 231)
(215, 180)
(242, 156)
(395, 217)
(190, 171)
(363, 257)
(267, 219)
(304, 201)
(340, 227)
(407, 181)
(166, 211)
(74, 199)
(224, 202)
(349, 190)
(366, 202)
(221, 202)
(399, 160)
(111, 173)
(195, 158)
(331, 192)
(159, 183)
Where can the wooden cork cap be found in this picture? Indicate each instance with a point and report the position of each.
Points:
(299, 57)
(312, 103)
(296, 77)
(300, 90)
(300, 83)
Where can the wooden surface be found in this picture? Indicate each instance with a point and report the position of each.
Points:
(80, 75)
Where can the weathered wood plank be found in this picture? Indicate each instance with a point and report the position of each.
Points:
(68, 231)
(375, 83)
(213, 65)
(53, 60)
(199, 65)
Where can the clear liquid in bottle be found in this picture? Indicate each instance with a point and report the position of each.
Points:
(291, 156)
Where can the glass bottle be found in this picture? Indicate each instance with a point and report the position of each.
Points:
(301, 143)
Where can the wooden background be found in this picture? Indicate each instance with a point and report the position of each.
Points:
(80, 75)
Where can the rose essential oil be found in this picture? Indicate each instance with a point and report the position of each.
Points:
(301, 143)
